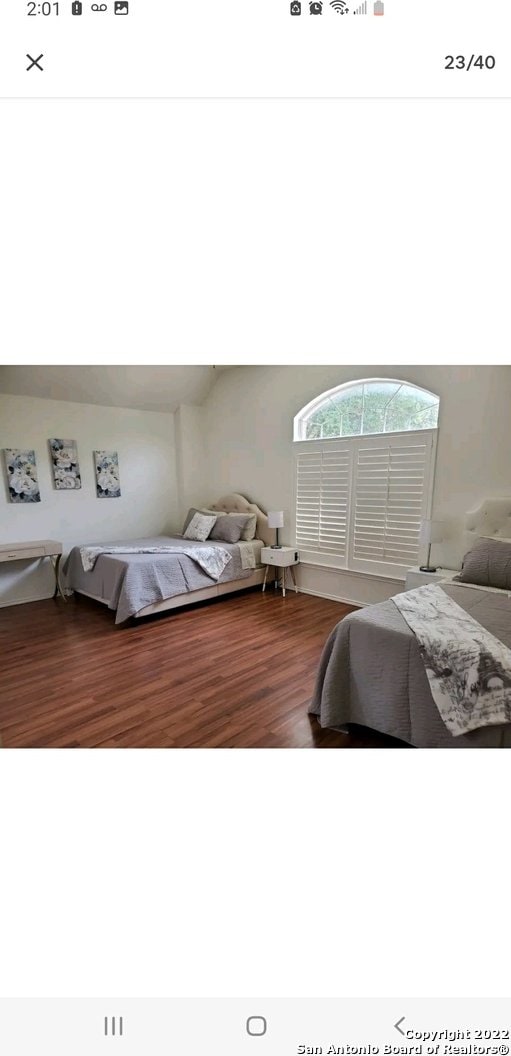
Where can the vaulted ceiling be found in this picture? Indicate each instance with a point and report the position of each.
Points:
(150, 388)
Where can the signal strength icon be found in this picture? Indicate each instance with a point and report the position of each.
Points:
(361, 9)
(339, 6)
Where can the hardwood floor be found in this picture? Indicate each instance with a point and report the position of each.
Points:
(234, 673)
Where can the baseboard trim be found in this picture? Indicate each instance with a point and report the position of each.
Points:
(334, 597)
(334, 570)
(23, 601)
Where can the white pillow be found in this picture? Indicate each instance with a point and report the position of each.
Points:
(249, 531)
(199, 527)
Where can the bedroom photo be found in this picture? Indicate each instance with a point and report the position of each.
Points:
(288, 557)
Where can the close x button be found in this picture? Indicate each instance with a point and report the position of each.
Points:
(35, 63)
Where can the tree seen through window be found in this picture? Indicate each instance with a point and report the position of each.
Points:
(371, 407)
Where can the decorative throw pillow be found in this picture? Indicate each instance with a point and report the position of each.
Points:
(487, 564)
(199, 527)
(228, 529)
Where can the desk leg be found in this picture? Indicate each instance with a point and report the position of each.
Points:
(292, 570)
(265, 577)
(284, 570)
(55, 560)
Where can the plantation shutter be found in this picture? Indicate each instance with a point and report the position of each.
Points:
(323, 477)
(391, 493)
(360, 502)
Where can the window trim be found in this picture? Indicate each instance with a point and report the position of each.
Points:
(300, 419)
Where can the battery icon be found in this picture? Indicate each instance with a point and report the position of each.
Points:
(76, 7)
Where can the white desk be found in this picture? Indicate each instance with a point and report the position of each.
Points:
(39, 548)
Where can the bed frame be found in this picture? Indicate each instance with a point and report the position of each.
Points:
(492, 518)
(233, 503)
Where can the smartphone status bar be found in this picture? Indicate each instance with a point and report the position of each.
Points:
(264, 48)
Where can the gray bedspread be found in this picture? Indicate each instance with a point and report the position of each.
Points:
(130, 582)
(371, 673)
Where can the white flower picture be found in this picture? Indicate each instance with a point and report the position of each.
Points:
(21, 475)
(108, 485)
(66, 469)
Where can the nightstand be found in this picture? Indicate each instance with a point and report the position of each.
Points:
(283, 557)
(416, 578)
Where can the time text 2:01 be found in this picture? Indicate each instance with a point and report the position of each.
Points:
(469, 62)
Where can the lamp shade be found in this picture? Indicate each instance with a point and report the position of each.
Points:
(276, 518)
(431, 532)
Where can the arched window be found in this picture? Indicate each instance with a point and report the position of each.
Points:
(365, 455)
(378, 405)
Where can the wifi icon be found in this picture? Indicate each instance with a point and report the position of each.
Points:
(339, 6)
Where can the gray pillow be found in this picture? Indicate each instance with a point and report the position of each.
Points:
(229, 528)
(487, 564)
(250, 522)
(191, 513)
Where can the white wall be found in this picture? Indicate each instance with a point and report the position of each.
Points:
(190, 454)
(148, 504)
(248, 420)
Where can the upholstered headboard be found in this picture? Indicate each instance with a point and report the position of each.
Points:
(239, 504)
(491, 518)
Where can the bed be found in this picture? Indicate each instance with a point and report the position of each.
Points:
(140, 584)
(372, 673)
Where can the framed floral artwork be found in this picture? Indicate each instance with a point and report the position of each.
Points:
(66, 469)
(21, 475)
(106, 464)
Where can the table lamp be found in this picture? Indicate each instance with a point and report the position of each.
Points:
(431, 532)
(276, 520)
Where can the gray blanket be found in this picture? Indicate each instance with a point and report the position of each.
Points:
(212, 559)
(371, 673)
(130, 582)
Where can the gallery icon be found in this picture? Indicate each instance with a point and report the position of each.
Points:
(121, 7)
(316, 7)
(77, 7)
(295, 7)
